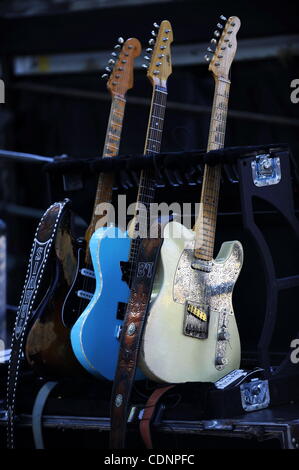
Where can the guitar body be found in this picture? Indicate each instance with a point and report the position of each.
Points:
(167, 353)
(95, 335)
(48, 347)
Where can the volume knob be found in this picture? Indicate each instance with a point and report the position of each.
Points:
(223, 335)
(221, 361)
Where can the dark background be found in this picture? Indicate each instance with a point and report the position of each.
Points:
(53, 124)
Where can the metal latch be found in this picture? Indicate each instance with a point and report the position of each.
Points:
(266, 170)
(255, 395)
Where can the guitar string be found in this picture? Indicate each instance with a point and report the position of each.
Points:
(146, 187)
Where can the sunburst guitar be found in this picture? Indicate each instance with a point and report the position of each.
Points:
(191, 332)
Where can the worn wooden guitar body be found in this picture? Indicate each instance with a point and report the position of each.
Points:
(48, 347)
(191, 332)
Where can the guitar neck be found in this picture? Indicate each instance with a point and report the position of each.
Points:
(205, 226)
(146, 190)
(111, 148)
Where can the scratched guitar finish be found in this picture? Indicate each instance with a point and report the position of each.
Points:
(191, 332)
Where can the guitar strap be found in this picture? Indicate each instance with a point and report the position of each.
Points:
(148, 414)
(131, 336)
(38, 260)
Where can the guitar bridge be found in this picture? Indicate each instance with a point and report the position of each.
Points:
(196, 321)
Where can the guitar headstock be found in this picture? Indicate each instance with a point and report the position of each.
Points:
(159, 55)
(120, 66)
(225, 46)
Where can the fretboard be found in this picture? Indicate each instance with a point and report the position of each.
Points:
(111, 148)
(146, 191)
(206, 224)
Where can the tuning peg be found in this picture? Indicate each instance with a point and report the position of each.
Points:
(114, 54)
(219, 25)
(147, 57)
(108, 69)
(153, 33)
(151, 42)
(117, 46)
(156, 25)
(216, 33)
(158, 64)
(144, 66)
(222, 17)
(213, 41)
(111, 62)
(209, 49)
(207, 58)
(120, 40)
(105, 76)
(149, 49)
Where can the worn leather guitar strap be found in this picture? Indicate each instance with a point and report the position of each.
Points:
(131, 336)
(39, 256)
(148, 414)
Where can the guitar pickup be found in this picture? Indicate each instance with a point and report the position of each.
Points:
(196, 321)
(197, 312)
(121, 310)
(88, 273)
(84, 295)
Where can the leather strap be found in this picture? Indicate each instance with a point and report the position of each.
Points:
(38, 261)
(37, 412)
(131, 336)
(150, 407)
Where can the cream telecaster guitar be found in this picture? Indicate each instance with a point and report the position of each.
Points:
(191, 332)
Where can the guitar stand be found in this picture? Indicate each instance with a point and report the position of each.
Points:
(262, 172)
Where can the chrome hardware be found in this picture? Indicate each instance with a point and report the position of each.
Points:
(114, 54)
(108, 69)
(220, 56)
(118, 330)
(196, 320)
(266, 170)
(114, 83)
(233, 24)
(120, 68)
(131, 329)
(155, 25)
(223, 48)
(221, 361)
(147, 58)
(144, 66)
(151, 42)
(217, 64)
(120, 40)
(230, 31)
(255, 395)
(156, 72)
(209, 49)
(88, 273)
(167, 31)
(158, 64)
(219, 25)
(118, 400)
(216, 33)
(105, 75)
(223, 335)
(123, 61)
(222, 17)
(118, 46)
(213, 41)
(207, 58)
(153, 33)
(226, 40)
(149, 49)
(111, 62)
(161, 56)
(165, 39)
(117, 75)
(162, 47)
(84, 295)
(202, 265)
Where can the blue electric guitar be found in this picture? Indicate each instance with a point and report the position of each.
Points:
(95, 335)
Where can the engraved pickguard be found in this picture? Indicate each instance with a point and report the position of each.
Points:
(210, 291)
